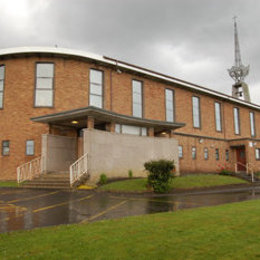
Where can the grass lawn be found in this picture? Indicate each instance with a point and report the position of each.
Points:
(183, 182)
(228, 231)
(8, 184)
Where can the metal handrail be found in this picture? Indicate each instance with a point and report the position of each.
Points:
(29, 170)
(249, 169)
(78, 168)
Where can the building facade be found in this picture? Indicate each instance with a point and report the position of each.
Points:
(61, 92)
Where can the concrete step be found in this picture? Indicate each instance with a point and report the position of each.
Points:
(46, 185)
(49, 181)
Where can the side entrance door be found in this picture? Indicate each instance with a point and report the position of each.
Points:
(241, 158)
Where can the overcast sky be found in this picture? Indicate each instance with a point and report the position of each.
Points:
(187, 39)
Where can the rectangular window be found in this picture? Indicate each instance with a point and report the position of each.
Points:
(44, 85)
(96, 88)
(131, 130)
(5, 148)
(2, 77)
(30, 147)
(137, 90)
(227, 155)
(169, 105)
(193, 153)
(236, 121)
(218, 117)
(252, 123)
(257, 153)
(206, 153)
(180, 150)
(196, 111)
(143, 131)
(217, 154)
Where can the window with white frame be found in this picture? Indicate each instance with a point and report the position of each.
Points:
(137, 90)
(44, 85)
(193, 153)
(196, 112)
(227, 155)
(96, 88)
(131, 130)
(29, 147)
(180, 151)
(252, 123)
(169, 105)
(218, 116)
(257, 153)
(236, 121)
(5, 147)
(206, 153)
(2, 77)
(217, 154)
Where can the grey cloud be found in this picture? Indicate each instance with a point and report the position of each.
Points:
(135, 30)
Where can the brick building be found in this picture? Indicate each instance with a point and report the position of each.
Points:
(60, 103)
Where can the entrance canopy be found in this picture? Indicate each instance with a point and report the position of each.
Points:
(77, 118)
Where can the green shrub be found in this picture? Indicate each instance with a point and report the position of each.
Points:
(160, 174)
(225, 172)
(130, 174)
(103, 179)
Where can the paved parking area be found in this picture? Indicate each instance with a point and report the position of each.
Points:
(26, 209)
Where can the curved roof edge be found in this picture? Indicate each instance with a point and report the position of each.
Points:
(123, 65)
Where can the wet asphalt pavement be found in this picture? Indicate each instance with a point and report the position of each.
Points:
(27, 209)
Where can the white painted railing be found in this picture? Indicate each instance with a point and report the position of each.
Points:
(78, 168)
(29, 170)
(249, 169)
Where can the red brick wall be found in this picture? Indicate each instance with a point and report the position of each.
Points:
(71, 88)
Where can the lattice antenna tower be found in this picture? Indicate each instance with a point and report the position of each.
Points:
(238, 72)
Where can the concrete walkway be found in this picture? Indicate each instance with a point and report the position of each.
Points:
(27, 209)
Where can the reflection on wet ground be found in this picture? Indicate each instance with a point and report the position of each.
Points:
(27, 209)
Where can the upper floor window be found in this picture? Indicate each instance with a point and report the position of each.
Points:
(196, 111)
(5, 148)
(169, 105)
(96, 88)
(44, 85)
(236, 121)
(137, 90)
(252, 123)
(218, 116)
(2, 77)
(30, 147)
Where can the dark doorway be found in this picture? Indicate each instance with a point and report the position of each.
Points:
(241, 158)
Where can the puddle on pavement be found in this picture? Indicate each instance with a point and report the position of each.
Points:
(76, 207)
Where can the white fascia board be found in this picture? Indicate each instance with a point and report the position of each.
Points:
(88, 55)
(204, 90)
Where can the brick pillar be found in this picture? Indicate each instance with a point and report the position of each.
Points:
(110, 127)
(171, 134)
(90, 122)
(150, 131)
